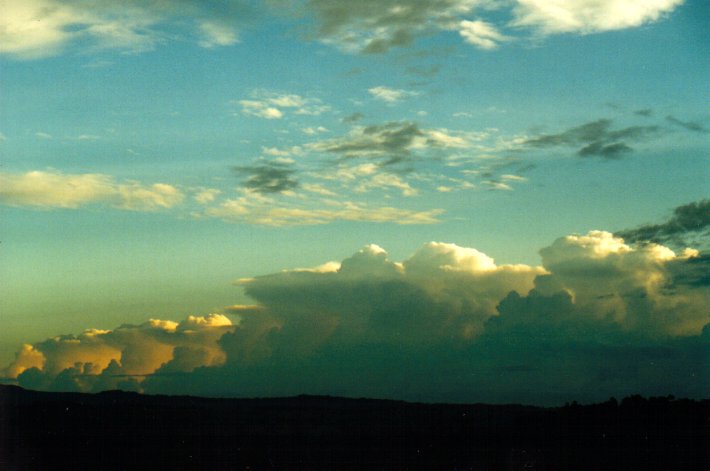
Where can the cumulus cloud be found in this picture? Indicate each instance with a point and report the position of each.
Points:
(52, 189)
(601, 317)
(33, 29)
(122, 357)
(581, 16)
(688, 221)
(273, 105)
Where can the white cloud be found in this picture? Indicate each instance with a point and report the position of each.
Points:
(585, 16)
(51, 189)
(481, 34)
(31, 29)
(390, 95)
(382, 181)
(206, 195)
(272, 105)
(217, 34)
(253, 209)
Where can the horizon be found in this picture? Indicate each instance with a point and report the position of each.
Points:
(447, 201)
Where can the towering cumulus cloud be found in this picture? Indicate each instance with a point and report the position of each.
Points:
(601, 317)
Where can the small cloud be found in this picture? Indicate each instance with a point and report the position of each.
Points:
(390, 95)
(318, 189)
(268, 178)
(271, 105)
(497, 186)
(310, 131)
(206, 195)
(513, 178)
(217, 34)
(353, 118)
(43, 135)
(688, 125)
(87, 137)
(481, 34)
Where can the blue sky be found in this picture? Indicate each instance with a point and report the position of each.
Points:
(153, 153)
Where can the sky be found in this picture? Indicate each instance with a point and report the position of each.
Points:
(444, 200)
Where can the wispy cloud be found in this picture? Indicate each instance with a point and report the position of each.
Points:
(258, 209)
(481, 34)
(390, 95)
(687, 125)
(597, 139)
(392, 142)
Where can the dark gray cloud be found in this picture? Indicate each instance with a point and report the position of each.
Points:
(269, 177)
(376, 26)
(597, 139)
(389, 143)
(353, 118)
(688, 125)
(688, 221)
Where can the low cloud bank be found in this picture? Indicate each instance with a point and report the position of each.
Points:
(601, 317)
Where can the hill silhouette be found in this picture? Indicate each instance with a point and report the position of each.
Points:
(122, 430)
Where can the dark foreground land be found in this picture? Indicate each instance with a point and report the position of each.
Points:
(119, 430)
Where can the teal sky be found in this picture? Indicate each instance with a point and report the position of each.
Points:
(153, 153)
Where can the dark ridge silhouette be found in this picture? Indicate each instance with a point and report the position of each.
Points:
(122, 430)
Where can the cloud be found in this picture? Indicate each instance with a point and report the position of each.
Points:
(688, 125)
(372, 26)
(580, 16)
(52, 189)
(269, 177)
(32, 29)
(122, 357)
(688, 220)
(390, 95)
(217, 34)
(600, 318)
(206, 195)
(253, 208)
(597, 139)
(391, 143)
(481, 34)
(273, 105)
